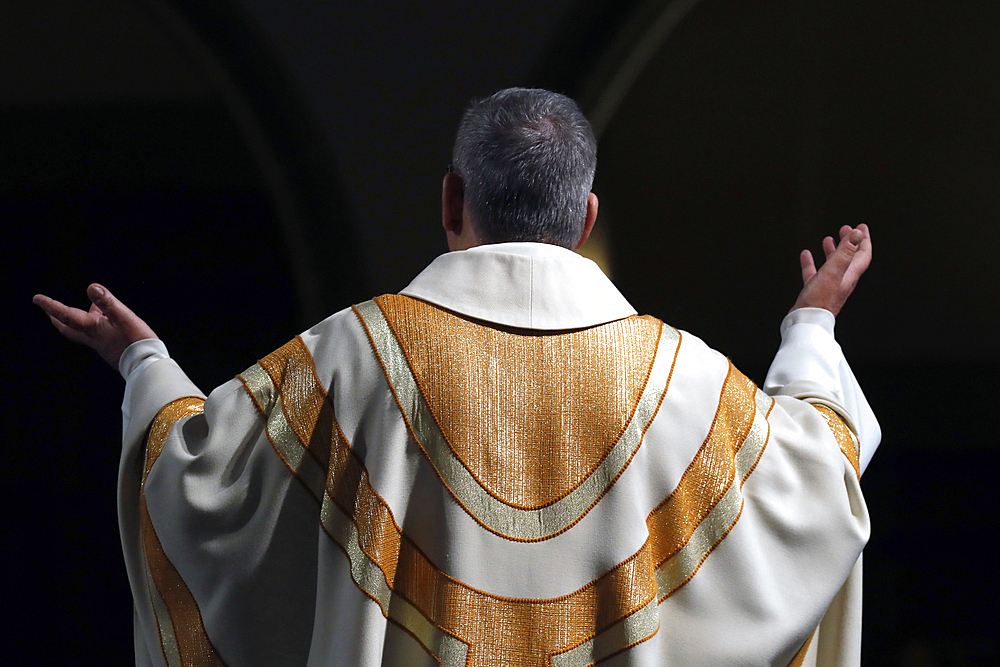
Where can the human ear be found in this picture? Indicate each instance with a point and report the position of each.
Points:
(590, 219)
(452, 202)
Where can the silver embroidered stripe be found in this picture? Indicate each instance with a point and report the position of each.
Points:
(280, 432)
(168, 641)
(448, 650)
(371, 579)
(634, 628)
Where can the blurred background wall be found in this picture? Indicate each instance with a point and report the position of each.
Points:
(237, 169)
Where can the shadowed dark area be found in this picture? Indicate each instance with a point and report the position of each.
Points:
(234, 170)
(752, 133)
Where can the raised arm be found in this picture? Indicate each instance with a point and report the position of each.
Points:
(108, 327)
(831, 285)
(809, 364)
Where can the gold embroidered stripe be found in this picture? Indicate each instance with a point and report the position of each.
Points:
(291, 368)
(529, 415)
(164, 626)
(621, 636)
(845, 438)
(460, 625)
(282, 434)
(373, 578)
(800, 657)
(707, 502)
(182, 632)
(352, 514)
(489, 511)
(304, 432)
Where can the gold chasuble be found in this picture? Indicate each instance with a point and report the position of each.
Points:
(407, 485)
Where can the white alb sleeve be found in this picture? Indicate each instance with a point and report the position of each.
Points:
(810, 366)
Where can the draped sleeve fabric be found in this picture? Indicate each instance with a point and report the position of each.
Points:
(402, 485)
(810, 368)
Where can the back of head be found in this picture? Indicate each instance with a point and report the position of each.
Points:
(527, 159)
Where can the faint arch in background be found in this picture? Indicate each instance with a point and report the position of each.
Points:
(628, 52)
(743, 133)
(292, 154)
(596, 58)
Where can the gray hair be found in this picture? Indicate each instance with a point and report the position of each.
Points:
(527, 159)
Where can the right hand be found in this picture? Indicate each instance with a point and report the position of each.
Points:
(830, 286)
(107, 328)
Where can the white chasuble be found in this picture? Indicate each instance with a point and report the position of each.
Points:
(411, 483)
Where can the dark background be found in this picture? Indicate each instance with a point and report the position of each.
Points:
(235, 170)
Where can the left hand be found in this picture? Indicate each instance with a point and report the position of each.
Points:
(108, 327)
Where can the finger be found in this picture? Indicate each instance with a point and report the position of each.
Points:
(72, 317)
(44, 302)
(839, 261)
(867, 242)
(118, 314)
(808, 265)
(845, 230)
(829, 246)
(863, 257)
(106, 304)
(69, 332)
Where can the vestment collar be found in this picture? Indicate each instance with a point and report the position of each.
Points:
(522, 285)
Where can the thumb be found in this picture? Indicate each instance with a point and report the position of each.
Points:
(118, 314)
(109, 305)
(841, 258)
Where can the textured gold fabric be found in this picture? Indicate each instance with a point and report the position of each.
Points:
(707, 502)
(303, 430)
(290, 367)
(848, 441)
(801, 655)
(182, 632)
(530, 416)
(492, 513)
(713, 469)
(460, 625)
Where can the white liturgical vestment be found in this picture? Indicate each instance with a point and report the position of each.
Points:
(502, 465)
